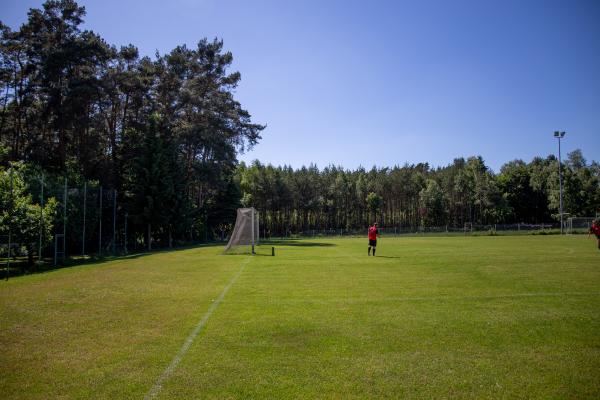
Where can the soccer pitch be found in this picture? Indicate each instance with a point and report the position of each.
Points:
(429, 317)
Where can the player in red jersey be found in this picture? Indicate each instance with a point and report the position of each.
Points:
(373, 234)
(595, 229)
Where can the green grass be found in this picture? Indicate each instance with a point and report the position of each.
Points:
(429, 317)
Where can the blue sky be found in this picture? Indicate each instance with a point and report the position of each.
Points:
(387, 82)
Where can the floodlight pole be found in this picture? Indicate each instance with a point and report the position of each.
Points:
(560, 135)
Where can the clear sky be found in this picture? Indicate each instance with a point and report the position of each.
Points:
(387, 82)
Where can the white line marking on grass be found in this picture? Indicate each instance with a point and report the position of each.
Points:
(190, 339)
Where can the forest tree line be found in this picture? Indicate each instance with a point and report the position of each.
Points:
(414, 196)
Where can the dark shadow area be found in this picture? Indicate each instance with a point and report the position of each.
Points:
(247, 254)
(388, 257)
(294, 242)
(21, 268)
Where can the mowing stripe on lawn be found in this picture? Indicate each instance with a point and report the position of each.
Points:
(190, 339)
(362, 300)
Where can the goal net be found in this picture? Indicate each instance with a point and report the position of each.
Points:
(245, 232)
(578, 224)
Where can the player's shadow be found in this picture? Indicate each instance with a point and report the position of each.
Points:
(388, 257)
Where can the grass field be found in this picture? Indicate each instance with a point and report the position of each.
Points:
(433, 317)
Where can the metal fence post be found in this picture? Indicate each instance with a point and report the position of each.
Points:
(100, 220)
(12, 205)
(84, 210)
(114, 243)
(65, 223)
(41, 219)
(125, 242)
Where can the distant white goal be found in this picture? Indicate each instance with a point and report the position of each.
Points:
(579, 224)
(245, 232)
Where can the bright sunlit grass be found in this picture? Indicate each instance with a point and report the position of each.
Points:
(433, 317)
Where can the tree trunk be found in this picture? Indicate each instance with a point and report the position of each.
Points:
(149, 237)
(30, 264)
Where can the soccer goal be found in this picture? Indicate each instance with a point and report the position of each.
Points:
(578, 224)
(245, 232)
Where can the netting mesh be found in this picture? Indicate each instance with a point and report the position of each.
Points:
(245, 233)
(579, 224)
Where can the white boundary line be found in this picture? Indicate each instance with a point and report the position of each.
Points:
(190, 339)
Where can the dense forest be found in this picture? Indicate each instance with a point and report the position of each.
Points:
(413, 196)
(162, 135)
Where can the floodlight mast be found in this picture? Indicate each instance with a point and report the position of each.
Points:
(559, 135)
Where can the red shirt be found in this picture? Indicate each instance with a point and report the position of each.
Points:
(595, 229)
(373, 233)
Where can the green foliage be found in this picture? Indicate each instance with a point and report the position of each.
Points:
(3, 153)
(547, 232)
(374, 202)
(432, 204)
(106, 115)
(20, 215)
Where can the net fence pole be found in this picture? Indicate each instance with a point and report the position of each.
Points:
(84, 210)
(252, 230)
(125, 241)
(114, 241)
(65, 222)
(8, 253)
(41, 219)
(100, 224)
(12, 205)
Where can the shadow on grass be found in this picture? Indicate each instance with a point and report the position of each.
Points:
(387, 257)
(295, 242)
(22, 268)
(257, 254)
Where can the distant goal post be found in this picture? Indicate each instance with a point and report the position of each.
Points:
(245, 235)
(579, 224)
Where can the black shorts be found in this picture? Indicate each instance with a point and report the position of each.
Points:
(373, 243)
(597, 236)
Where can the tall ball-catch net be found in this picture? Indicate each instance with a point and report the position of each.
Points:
(578, 224)
(245, 233)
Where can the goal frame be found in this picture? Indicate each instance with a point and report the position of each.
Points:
(581, 223)
(245, 231)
